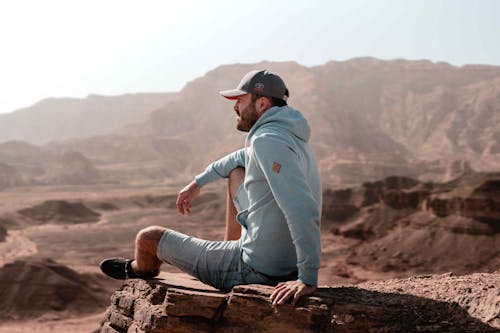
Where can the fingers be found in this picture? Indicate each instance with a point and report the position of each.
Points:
(281, 296)
(286, 290)
(296, 296)
(184, 201)
(274, 295)
(180, 203)
(280, 286)
(186, 196)
(180, 209)
(183, 205)
(187, 207)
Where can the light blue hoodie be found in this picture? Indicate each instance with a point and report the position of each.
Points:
(283, 212)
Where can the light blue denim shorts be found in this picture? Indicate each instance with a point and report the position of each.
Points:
(216, 263)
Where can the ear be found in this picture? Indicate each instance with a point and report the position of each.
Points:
(263, 104)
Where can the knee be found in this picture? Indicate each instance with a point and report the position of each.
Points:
(236, 178)
(148, 238)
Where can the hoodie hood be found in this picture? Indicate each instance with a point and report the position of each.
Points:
(283, 118)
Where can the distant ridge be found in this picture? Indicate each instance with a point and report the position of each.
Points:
(408, 109)
(55, 119)
(370, 119)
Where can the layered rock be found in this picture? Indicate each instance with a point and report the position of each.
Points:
(404, 226)
(177, 303)
(482, 209)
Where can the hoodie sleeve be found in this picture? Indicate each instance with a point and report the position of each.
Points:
(285, 173)
(221, 168)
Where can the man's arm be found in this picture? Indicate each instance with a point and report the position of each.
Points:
(216, 170)
(285, 174)
(221, 168)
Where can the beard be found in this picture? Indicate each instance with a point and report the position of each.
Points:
(248, 118)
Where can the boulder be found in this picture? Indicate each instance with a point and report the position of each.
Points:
(179, 303)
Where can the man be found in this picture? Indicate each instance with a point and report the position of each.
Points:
(274, 192)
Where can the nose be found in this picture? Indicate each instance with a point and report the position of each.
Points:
(235, 107)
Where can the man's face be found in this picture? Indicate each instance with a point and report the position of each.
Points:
(247, 113)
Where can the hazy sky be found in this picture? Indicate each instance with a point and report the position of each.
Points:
(74, 48)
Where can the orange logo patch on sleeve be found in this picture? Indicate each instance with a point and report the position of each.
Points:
(276, 167)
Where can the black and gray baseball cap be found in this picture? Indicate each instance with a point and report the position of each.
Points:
(262, 83)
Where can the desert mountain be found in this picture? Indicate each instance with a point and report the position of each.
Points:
(434, 110)
(56, 119)
(71, 168)
(23, 156)
(409, 109)
(208, 121)
(370, 118)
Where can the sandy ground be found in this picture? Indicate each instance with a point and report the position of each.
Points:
(86, 324)
(79, 246)
(82, 246)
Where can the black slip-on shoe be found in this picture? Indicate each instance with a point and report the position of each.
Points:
(121, 269)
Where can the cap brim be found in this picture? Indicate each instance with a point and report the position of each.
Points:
(233, 93)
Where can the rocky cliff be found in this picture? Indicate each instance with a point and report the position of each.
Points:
(403, 225)
(178, 303)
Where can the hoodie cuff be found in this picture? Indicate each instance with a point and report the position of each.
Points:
(309, 277)
(207, 176)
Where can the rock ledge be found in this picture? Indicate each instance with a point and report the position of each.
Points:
(178, 303)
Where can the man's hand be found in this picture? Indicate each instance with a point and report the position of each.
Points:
(186, 197)
(285, 290)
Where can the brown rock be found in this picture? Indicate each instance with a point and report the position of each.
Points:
(401, 226)
(118, 319)
(420, 304)
(60, 211)
(31, 288)
(180, 303)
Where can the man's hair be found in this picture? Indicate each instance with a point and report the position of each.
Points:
(274, 101)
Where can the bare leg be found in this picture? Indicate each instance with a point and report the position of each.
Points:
(233, 229)
(146, 244)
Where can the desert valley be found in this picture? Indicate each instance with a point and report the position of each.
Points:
(409, 154)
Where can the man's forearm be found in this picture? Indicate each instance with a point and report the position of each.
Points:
(221, 168)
